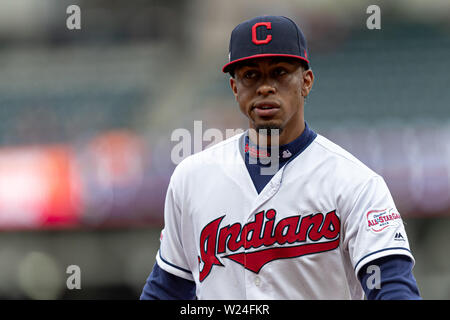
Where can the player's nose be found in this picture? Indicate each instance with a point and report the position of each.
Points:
(266, 89)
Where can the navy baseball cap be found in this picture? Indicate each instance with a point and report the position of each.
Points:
(266, 36)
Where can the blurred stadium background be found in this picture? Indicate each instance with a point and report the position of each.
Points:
(87, 116)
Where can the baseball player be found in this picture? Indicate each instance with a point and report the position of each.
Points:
(320, 225)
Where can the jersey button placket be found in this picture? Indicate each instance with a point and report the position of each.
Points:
(254, 282)
(250, 278)
(247, 275)
(257, 281)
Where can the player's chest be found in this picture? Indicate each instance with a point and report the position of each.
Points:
(233, 203)
(284, 221)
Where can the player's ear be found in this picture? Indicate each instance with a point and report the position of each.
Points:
(233, 87)
(308, 81)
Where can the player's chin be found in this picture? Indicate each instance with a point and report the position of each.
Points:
(269, 124)
(269, 128)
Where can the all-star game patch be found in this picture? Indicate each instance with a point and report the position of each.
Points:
(378, 220)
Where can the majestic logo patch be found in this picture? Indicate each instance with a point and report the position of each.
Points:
(378, 220)
(286, 154)
(399, 237)
(262, 241)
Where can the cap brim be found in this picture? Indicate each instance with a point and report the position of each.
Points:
(226, 68)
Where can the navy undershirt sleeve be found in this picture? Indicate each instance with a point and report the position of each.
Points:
(396, 279)
(162, 285)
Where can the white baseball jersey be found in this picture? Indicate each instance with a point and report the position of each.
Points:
(321, 218)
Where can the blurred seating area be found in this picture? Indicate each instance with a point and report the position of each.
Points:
(149, 77)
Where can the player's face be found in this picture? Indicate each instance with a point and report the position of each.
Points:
(270, 92)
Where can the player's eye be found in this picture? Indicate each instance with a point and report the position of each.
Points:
(250, 74)
(279, 71)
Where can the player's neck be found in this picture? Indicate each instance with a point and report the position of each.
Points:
(264, 139)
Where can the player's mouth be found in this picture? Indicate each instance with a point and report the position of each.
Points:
(265, 108)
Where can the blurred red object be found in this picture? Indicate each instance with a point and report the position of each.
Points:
(38, 187)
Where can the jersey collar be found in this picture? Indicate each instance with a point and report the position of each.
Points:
(286, 151)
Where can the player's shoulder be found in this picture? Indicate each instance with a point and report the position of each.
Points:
(343, 159)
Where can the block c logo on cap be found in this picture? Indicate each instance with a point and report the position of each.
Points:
(255, 40)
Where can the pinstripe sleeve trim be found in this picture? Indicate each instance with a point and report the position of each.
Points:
(173, 268)
(381, 253)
